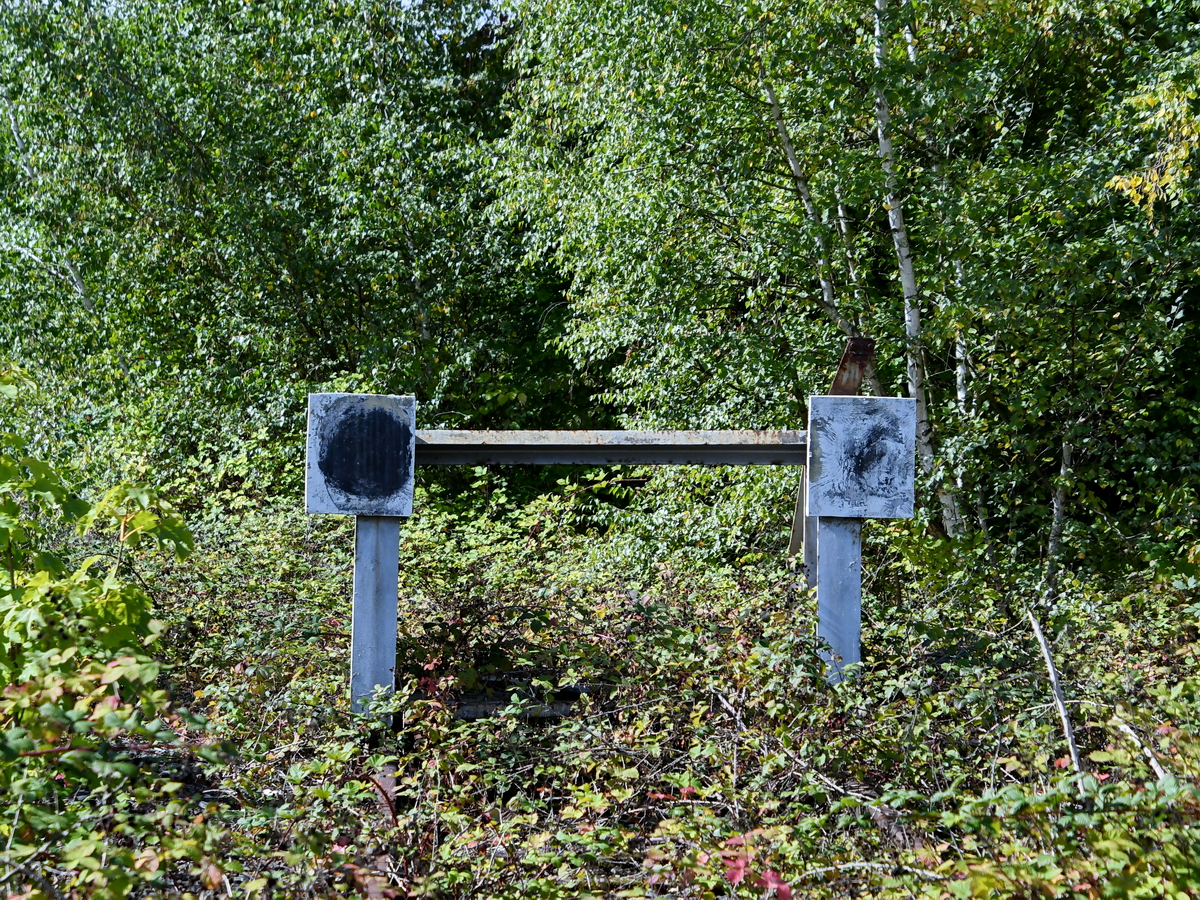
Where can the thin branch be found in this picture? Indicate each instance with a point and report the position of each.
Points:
(53, 751)
(800, 183)
(1049, 591)
(391, 808)
(891, 867)
(1059, 702)
(1132, 735)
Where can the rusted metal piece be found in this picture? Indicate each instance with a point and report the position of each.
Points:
(860, 353)
(796, 538)
(704, 448)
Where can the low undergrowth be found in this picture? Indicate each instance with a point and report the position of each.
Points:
(706, 754)
(178, 725)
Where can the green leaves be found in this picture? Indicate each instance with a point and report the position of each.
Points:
(705, 258)
(137, 512)
(1166, 110)
(221, 205)
(208, 209)
(79, 681)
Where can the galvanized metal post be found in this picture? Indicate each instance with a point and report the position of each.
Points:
(360, 463)
(861, 461)
(858, 454)
(376, 589)
(810, 527)
(839, 593)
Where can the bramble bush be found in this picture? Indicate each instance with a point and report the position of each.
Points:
(706, 755)
(81, 703)
(176, 723)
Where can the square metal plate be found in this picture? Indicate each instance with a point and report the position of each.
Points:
(360, 454)
(861, 457)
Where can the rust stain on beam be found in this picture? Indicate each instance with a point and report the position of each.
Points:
(705, 448)
(860, 352)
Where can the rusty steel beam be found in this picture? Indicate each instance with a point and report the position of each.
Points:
(663, 448)
(860, 352)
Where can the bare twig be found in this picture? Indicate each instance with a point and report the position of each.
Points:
(391, 808)
(53, 750)
(1132, 735)
(1063, 715)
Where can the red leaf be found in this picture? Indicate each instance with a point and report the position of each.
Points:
(735, 869)
(210, 875)
(770, 879)
(1062, 762)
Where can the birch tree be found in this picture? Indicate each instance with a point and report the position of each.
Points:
(734, 189)
(918, 379)
(239, 200)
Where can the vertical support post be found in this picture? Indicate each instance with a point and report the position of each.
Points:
(839, 593)
(796, 538)
(803, 539)
(857, 358)
(376, 589)
(811, 529)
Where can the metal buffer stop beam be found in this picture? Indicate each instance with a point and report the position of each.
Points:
(858, 454)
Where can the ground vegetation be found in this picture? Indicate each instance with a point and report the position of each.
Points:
(564, 215)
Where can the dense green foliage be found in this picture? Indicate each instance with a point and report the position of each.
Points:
(553, 215)
(1051, 310)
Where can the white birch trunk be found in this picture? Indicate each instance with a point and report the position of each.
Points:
(1058, 516)
(917, 379)
(828, 298)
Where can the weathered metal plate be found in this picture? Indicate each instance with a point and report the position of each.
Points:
(862, 457)
(360, 454)
(705, 448)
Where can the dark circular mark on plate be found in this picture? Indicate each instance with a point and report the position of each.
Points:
(869, 452)
(365, 452)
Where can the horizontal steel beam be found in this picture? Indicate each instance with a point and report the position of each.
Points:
(702, 448)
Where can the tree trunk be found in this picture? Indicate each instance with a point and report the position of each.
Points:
(914, 352)
(828, 299)
(1058, 515)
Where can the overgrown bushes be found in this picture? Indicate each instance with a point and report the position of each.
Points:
(706, 756)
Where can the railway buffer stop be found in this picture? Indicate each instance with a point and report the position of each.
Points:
(858, 459)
